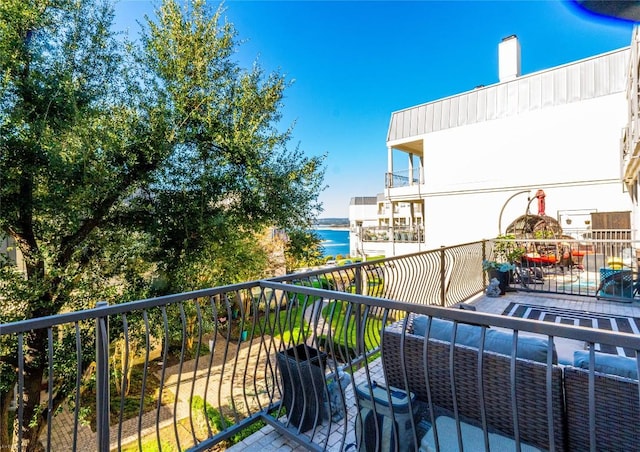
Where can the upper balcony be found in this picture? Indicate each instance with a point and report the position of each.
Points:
(404, 185)
(403, 178)
(326, 359)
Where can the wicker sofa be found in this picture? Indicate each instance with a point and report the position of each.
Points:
(493, 401)
(617, 411)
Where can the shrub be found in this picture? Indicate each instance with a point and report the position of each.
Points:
(216, 420)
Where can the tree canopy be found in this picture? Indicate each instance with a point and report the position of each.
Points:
(134, 161)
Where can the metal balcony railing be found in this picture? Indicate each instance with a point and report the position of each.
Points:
(405, 234)
(604, 264)
(402, 178)
(305, 354)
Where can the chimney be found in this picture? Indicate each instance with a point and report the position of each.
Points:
(509, 58)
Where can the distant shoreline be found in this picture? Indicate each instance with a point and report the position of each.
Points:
(331, 228)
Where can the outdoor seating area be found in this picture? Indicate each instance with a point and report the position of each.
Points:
(604, 269)
(495, 403)
(542, 417)
(525, 400)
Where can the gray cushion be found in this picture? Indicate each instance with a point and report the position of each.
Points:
(468, 335)
(533, 348)
(607, 364)
(472, 438)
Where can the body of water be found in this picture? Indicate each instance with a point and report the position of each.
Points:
(334, 241)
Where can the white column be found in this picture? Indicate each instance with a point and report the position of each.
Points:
(389, 167)
(410, 169)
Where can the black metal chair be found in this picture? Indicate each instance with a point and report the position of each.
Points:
(526, 275)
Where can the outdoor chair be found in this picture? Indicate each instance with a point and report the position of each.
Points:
(617, 283)
(526, 275)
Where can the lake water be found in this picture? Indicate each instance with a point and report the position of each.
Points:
(334, 241)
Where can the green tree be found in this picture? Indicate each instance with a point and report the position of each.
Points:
(124, 166)
(230, 168)
(303, 249)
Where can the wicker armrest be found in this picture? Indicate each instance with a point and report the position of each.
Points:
(616, 411)
(399, 325)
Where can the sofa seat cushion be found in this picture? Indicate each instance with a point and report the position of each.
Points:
(607, 363)
(472, 438)
(530, 347)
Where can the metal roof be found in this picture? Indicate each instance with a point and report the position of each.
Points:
(363, 200)
(574, 82)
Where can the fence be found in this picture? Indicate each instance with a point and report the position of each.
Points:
(588, 267)
(443, 277)
(207, 368)
(402, 178)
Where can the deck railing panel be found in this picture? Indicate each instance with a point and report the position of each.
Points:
(205, 368)
(443, 276)
(328, 325)
(602, 267)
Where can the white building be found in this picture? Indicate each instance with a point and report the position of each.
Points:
(379, 227)
(8, 247)
(363, 213)
(630, 143)
(469, 164)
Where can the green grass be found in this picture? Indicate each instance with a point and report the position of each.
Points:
(218, 422)
(150, 444)
(292, 328)
(345, 330)
(167, 434)
(375, 287)
(288, 324)
(320, 283)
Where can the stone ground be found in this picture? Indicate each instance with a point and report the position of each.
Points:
(217, 392)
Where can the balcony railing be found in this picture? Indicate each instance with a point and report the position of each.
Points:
(603, 265)
(305, 354)
(396, 234)
(402, 178)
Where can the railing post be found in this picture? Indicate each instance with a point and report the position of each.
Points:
(102, 380)
(484, 258)
(358, 280)
(358, 313)
(442, 277)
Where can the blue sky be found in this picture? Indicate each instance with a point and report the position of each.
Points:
(353, 63)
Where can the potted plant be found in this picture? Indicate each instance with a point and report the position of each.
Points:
(499, 270)
(507, 253)
(507, 250)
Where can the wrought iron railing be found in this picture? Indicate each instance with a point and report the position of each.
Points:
(443, 277)
(301, 353)
(600, 267)
(402, 178)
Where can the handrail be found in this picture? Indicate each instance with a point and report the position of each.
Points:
(339, 311)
